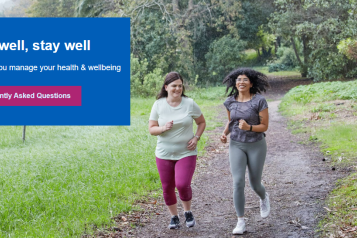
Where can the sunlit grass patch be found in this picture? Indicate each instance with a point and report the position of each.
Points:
(264, 70)
(320, 92)
(64, 178)
(339, 141)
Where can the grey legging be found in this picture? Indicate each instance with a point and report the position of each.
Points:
(242, 155)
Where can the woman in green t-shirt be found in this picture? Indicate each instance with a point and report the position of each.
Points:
(171, 119)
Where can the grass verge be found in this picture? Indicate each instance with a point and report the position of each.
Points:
(65, 181)
(327, 113)
(264, 70)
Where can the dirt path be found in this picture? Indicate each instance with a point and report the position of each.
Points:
(294, 175)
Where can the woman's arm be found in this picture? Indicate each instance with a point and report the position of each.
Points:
(201, 125)
(155, 129)
(226, 129)
(262, 127)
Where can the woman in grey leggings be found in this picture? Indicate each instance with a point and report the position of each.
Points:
(248, 119)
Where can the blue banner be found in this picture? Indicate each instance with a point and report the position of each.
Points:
(65, 71)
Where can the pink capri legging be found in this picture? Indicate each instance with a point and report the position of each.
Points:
(176, 173)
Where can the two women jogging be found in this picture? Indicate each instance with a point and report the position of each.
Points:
(171, 119)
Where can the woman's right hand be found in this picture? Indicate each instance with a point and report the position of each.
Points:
(168, 126)
(224, 138)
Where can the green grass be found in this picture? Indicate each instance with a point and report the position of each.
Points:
(298, 99)
(343, 204)
(339, 141)
(264, 70)
(64, 180)
(251, 58)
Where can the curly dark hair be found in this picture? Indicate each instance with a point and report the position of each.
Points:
(259, 81)
(170, 77)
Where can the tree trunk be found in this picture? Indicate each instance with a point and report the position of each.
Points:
(306, 56)
(295, 50)
(264, 52)
(278, 40)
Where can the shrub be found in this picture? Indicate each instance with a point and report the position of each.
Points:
(225, 54)
(274, 67)
(144, 83)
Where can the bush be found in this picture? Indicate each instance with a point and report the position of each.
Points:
(348, 47)
(277, 67)
(288, 58)
(144, 83)
(225, 54)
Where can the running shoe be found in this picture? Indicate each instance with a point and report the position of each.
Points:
(190, 220)
(265, 206)
(175, 222)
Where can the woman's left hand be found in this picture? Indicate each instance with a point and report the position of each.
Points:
(243, 125)
(192, 143)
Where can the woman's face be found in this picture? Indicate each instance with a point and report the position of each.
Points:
(174, 89)
(243, 83)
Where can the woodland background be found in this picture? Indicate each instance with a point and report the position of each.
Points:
(206, 39)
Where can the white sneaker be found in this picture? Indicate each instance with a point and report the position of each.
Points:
(265, 206)
(240, 228)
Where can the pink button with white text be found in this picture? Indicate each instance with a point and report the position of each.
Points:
(40, 95)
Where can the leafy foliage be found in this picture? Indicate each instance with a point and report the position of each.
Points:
(52, 8)
(181, 35)
(348, 47)
(224, 55)
(320, 25)
(144, 83)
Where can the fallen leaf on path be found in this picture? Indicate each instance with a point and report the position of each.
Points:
(352, 229)
(124, 218)
(329, 210)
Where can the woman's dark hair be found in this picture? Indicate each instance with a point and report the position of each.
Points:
(259, 81)
(170, 77)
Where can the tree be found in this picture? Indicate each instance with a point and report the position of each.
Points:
(252, 25)
(319, 25)
(225, 54)
(52, 8)
(171, 34)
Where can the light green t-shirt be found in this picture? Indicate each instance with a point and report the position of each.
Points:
(172, 144)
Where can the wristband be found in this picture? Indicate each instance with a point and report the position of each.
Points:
(250, 128)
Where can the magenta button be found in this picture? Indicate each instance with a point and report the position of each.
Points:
(40, 95)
